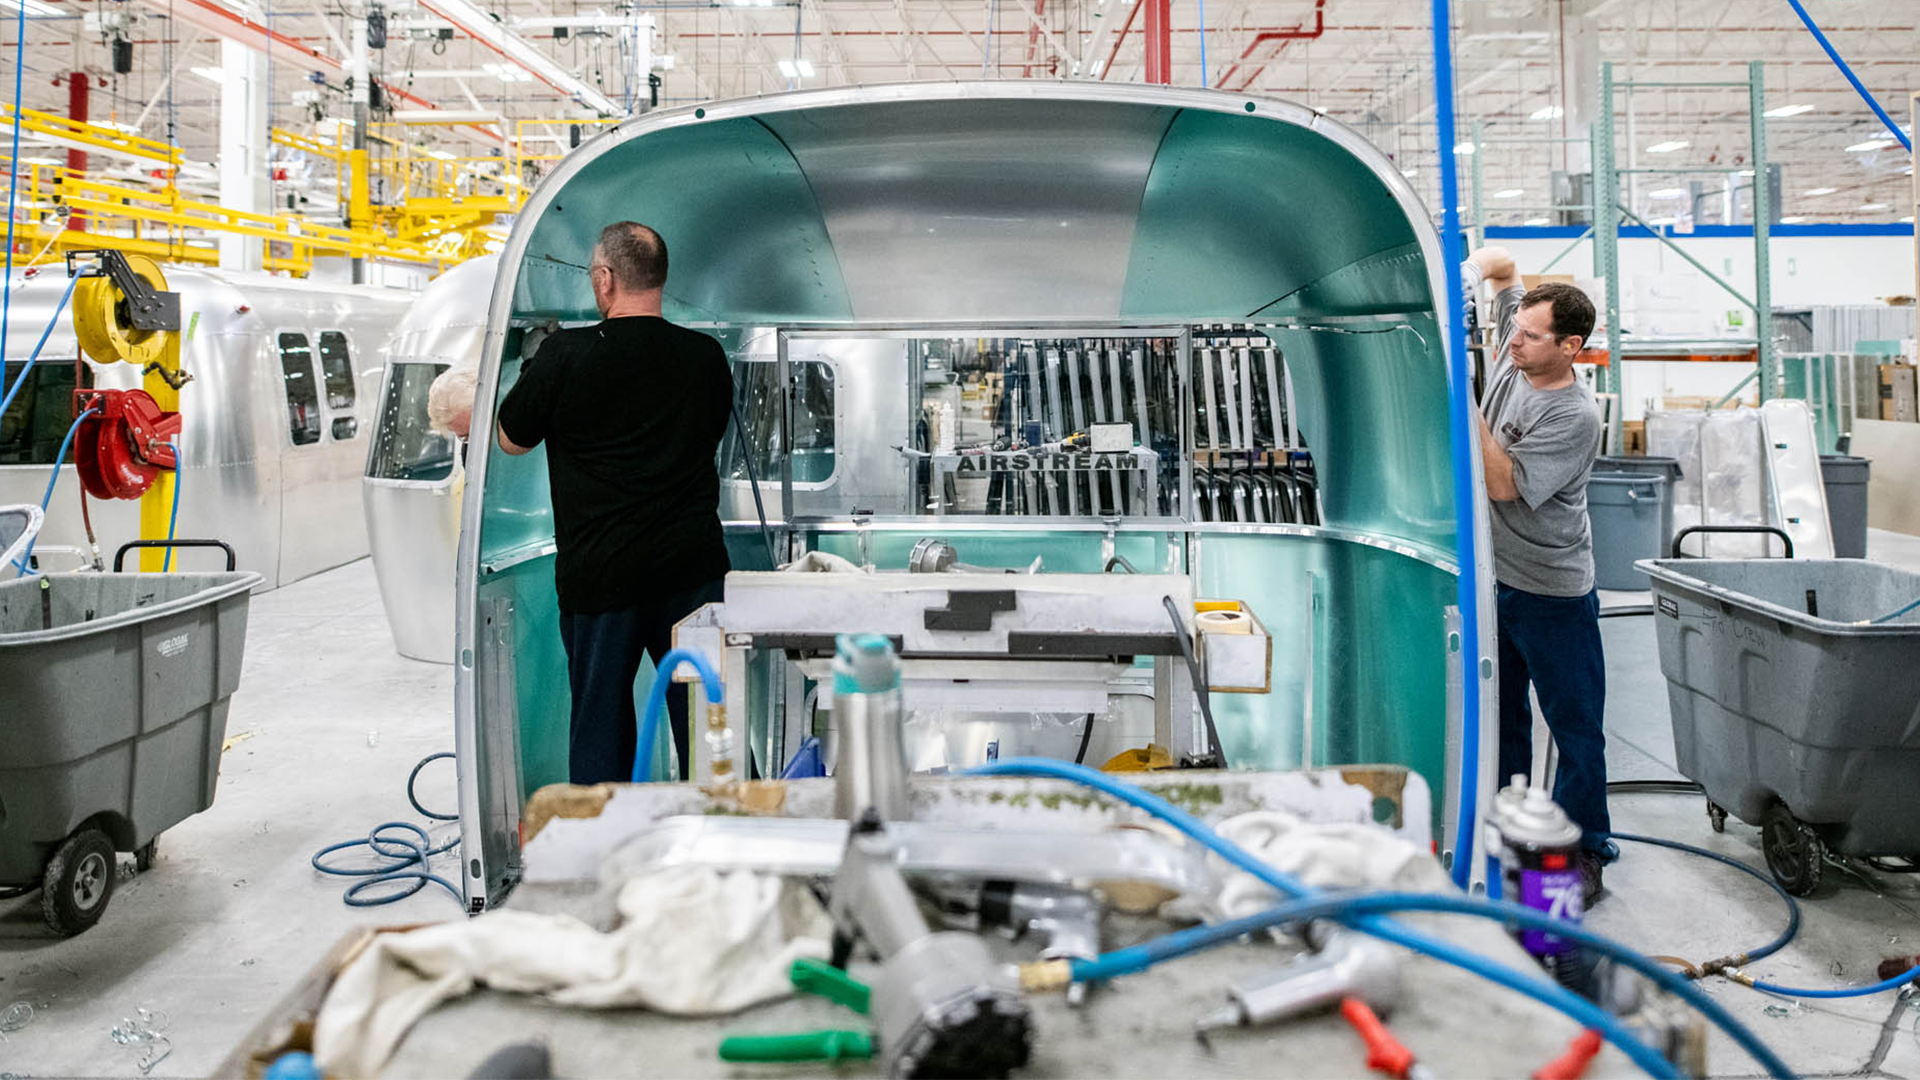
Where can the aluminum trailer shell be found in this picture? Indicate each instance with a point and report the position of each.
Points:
(289, 511)
(1772, 703)
(413, 524)
(939, 208)
(116, 719)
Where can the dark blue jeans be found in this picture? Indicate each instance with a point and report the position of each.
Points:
(1553, 642)
(603, 659)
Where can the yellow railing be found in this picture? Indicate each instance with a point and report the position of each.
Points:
(89, 136)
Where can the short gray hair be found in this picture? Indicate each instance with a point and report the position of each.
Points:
(636, 255)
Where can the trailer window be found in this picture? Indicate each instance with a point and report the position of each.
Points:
(405, 446)
(38, 419)
(336, 370)
(756, 392)
(303, 394)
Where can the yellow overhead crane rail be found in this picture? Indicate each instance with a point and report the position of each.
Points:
(434, 208)
(81, 135)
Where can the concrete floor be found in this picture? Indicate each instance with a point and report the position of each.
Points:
(232, 913)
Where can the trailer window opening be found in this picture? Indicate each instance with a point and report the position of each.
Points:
(303, 394)
(39, 417)
(405, 446)
(336, 370)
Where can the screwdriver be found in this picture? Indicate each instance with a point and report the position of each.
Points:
(1384, 1052)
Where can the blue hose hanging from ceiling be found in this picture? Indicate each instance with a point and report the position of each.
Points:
(13, 175)
(1834, 56)
(1460, 438)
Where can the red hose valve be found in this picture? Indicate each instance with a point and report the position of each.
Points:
(121, 450)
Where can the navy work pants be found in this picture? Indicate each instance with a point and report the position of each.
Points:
(1553, 642)
(603, 659)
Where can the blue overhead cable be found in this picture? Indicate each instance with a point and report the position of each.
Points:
(1834, 55)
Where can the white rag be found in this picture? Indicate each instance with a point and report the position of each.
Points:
(1341, 856)
(692, 941)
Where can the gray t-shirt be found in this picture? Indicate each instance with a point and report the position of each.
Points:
(1542, 541)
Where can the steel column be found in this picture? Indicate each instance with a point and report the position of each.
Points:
(1606, 224)
(77, 94)
(1159, 41)
(1762, 225)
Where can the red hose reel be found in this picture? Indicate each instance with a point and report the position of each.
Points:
(122, 449)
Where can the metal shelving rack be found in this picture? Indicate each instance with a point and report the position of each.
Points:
(1609, 212)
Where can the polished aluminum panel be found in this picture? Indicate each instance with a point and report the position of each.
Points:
(287, 511)
(413, 525)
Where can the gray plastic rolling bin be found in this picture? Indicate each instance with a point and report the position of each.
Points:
(111, 721)
(1632, 517)
(1794, 703)
(1845, 479)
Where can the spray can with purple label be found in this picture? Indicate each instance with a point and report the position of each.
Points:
(1540, 868)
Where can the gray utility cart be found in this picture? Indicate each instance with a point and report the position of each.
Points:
(113, 707)
(1794, 701)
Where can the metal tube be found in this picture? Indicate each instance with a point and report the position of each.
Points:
(1053, 396)
(1227, 378)
(1205, 357)
(1114, 479)
(1273, 400)
(1143, 424)
(1246, 399)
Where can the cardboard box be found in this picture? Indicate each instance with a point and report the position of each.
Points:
(1897, 393)
(1633, 438)
(1750, 400)
(1531, 280)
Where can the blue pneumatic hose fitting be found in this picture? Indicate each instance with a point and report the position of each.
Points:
(1361, 910)
(26, 557)
(657, 697)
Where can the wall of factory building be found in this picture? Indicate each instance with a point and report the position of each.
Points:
(1811, 266)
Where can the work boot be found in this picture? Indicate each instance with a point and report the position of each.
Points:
(1591, 887)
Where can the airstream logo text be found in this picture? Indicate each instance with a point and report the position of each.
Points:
(173, 646)
(1027, 462)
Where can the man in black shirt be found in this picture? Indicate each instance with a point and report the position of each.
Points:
(632, 411)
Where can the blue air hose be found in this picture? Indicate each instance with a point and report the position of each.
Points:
(173, 518)
(26, 557)
(44, 334)
(1834, 56)
(406, 854)
(1880, 987)
(1355, 908)
(1460, 439)
(657, 697)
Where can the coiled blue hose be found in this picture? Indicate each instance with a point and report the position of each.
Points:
(405, 855)
(1793, 906)
(1362, 912)
(657, 697)
(26, 557)
(35, 356)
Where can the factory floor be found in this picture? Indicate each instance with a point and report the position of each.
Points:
(329, 720)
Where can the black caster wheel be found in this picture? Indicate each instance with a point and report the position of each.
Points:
(1795, 853)
(143, 856)
(1716, 816)
(78, 882)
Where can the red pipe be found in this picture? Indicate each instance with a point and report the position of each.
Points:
(1298, 33)
(1159, 42)
(1107, 68)
(77, 94)
(1033, 37)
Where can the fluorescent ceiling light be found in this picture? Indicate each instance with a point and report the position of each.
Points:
(787, 68)
(482, 26)
(1744, 172)
(1463, 148)
(441, 154)
(1666, 193)
(1668, 147)
(1908, 220)
(211, 74)
(31, 7)
(1870, 144)
(508, 72)
(1820, 191)
(1873, 206)
(1409, 173)
(1788, 110)
(806, 67)
(1661, 220)
(1538, 221)
(1551, 112)
(41, 161)
(1791, 220)
(803, 68)
(1508, 193)
(664, 61)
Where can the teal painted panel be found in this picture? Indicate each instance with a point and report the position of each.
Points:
(1373, 408)
(745, 241)
(1378, 643)
(1240, 211)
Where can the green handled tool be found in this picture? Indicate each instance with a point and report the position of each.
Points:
(829, 1044)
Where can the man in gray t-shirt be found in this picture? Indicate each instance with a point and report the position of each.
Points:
(1539, 433)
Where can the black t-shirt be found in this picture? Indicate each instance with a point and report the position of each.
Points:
(632, 412)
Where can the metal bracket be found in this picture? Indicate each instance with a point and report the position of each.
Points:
(142, 306)
(970, 612)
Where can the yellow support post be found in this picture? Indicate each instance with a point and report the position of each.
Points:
(360, 196)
